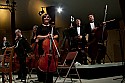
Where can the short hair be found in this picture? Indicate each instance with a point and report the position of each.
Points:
(90, 14)
(35, 26)
(78, 19)
(17, 30)
(4, 37)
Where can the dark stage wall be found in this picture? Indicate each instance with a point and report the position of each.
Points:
(26, 15)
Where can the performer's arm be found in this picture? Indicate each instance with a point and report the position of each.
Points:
(42, 37)
(26, 45)
(55, 33)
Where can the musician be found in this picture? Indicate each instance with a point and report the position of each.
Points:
(34, 36)
(4, 44)
(94, 34)
(44, 32)
(78, 41)
(22, 47)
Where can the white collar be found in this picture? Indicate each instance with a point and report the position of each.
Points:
(46, 25)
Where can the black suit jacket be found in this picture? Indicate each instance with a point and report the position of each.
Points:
(89, 31)
(97, 33)
(74, 35)
(22, 47)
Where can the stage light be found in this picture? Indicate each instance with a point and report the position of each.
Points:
(59, 10)
(41, 12)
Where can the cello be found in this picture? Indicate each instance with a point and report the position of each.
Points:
(32, 60)
(34, 45)
(48, 62)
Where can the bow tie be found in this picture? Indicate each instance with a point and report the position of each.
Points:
(92, 22)
(78, 26)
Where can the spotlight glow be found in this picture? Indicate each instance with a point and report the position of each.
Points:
(59, 10)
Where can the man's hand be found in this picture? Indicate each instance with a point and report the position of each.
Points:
(80, 37)
(104, 23)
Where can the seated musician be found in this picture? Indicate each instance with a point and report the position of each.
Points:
(94, 34)
(78, 41)
(44, 32)
(4, 44)
(22, 47)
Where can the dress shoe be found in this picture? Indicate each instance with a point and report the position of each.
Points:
(23, 80)
(92, 62)
(99, 61)
(85, 63)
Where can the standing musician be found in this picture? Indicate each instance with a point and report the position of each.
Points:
(34, 36)
(33, 59)
(43, 33)
(22, 47)
(78, 41)
(94, 34)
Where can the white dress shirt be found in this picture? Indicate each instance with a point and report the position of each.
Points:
(78, 30)
(18, 42)
(92, 25)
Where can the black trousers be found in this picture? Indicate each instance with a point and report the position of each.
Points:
(80, 47)
(45, 77)
(22, 70)
(81, 57)
(101, 53)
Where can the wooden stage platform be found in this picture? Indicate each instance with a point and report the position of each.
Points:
(98, 70)
(87, 72)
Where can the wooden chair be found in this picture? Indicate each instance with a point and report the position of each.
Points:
(71, 56)
(6, 67)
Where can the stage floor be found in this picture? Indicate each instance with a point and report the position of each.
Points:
(101, 80)
(114, 64)
(100, 65)
(98, 73)
(98, 70)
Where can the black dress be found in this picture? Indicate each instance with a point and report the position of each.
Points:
(45, 77)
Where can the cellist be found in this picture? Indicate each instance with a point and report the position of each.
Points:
(43, 32)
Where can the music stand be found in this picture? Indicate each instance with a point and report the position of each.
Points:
(104, 26)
